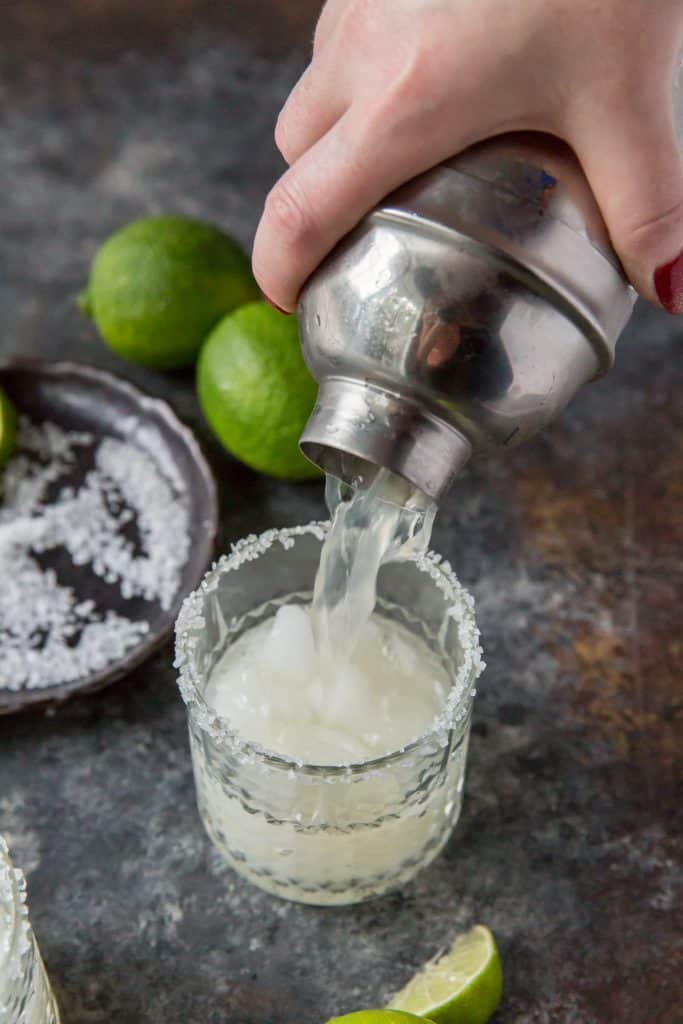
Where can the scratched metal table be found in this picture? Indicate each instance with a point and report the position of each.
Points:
(570, 843)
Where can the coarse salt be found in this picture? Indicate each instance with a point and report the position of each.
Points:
(124, 521)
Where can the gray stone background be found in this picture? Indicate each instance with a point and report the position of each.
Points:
(570, 843)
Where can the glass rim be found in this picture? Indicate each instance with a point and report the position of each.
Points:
(459, 608)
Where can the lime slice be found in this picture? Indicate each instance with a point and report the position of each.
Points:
(462, 987)
(8, 426)
(377, 1017)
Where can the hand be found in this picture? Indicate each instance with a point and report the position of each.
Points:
(396, 86)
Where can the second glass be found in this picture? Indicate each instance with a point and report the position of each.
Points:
(25, 993)
(326, 834)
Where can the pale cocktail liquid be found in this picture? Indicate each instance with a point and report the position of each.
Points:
(332, 683)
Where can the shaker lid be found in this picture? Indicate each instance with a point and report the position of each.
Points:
(524, 198)
(541, 170)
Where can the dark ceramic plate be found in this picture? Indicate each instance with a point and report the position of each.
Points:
(80, 398)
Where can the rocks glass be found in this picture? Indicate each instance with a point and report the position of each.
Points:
(325, 834)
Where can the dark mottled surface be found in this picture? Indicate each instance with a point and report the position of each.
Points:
(570, 843)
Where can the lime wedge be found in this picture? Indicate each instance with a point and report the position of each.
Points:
(8, 426)
(377, 1017)
(462, 987)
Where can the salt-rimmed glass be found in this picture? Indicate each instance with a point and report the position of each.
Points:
(325, 834)
(25, 994)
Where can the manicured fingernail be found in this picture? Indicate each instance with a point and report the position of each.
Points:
(669, 285)
(275, 305)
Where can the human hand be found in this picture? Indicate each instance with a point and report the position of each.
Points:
(396, 86)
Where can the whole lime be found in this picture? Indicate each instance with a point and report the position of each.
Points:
(255, 390)
(8, 428)
(158, 286)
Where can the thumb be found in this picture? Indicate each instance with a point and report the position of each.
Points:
(635, 169)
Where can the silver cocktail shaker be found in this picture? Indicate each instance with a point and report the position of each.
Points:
(461, 315)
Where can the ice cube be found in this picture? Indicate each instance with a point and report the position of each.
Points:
(289, 648)
(351, 704)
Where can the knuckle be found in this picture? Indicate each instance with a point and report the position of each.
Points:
(422, 71)
(356, 11)
(409, 82)
(289, 212)
(320, 36)
(411, 96)
(355, 23)
(647, 230)
(326, 25)
(291, 123)
(282, 136)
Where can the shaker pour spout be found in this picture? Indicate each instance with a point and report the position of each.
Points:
(357, 427)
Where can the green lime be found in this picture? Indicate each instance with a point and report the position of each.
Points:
(158, 286)
(256, 391)
(8, 428)
(462, 987)
(377, 1017)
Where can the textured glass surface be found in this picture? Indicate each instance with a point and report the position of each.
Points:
(326, 834)
(25, 994)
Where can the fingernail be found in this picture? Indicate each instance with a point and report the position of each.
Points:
(275, 305)
(669, 285)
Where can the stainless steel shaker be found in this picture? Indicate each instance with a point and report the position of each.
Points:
(461, 315)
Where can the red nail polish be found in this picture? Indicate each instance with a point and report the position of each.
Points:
(275, 305)
(669, 285)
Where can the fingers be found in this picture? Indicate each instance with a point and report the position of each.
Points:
(635, 168)
(320, 97)
(315, 104)
(327, 23)
(328, 190)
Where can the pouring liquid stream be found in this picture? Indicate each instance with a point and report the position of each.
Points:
(331, 683)
(384, 521)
